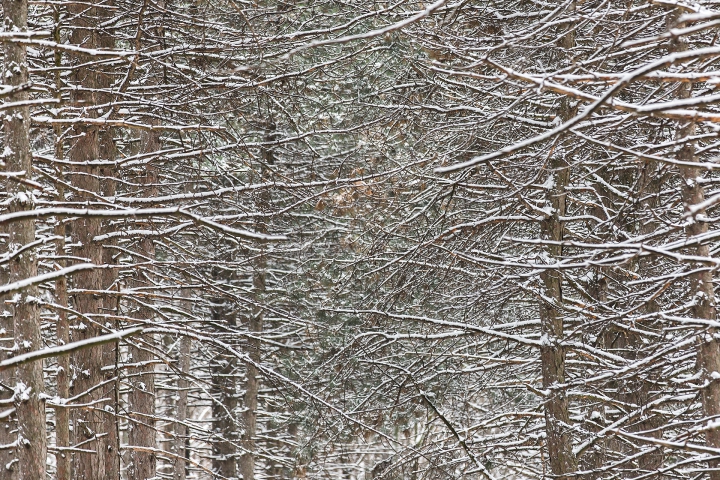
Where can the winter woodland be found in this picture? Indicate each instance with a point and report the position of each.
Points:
(359, 239)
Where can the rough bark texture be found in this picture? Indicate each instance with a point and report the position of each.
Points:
(62, 329)
(552, 354)
(627, 343)
(252, 383)
(110, 303)
(28, 385)
(255, 325)
(225, 400)
(89, 425)
(95, 428)
(8, 424)
(142, 395)
(701, 283)
(142, 407)
(701, 288)
(62, 415)
(181, 409)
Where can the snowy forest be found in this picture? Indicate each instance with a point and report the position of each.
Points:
(359, 239)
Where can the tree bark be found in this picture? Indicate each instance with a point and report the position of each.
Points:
(702, 292)
(552, 353)
(225, 399)
(252, 383)
(62, 329)
(181, 410)
(96, 428)
(62, 415)
(142, 409)
(701, 283)
(29, 384)
(701, 289)
(8, 424)
(142, 395)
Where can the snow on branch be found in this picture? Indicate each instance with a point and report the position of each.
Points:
(627, 79)
(44, 120)
(70, 347)
(371, 34)
(136, 213)
(46, 277)
(75, 48)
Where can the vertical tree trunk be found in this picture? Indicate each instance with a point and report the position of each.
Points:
(142, 395)
(8, 423)
(552, 353)
(701, 291)
(701, 287)
(29, 384)
(62, 415)
(141, 401)
(225, 399)
(182, 408)
(252, 384)
(89, 425)
(62, 329)
(95, 428)
(110, 303)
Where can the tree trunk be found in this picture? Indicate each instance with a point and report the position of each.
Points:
(62, 329)
(181, 410)
(702, 292)
(142, 407)
(252, 384)
(552, 353)
(95, 428)
(29, 384)
(225, 399)
(701, 286)
(142, 395)
(8, 423)
(62, 415)
(110, 303)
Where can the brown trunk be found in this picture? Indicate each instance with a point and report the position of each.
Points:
(142, 395)
(552, 353)
(110, 303)
(252, 384)
(95, 428)
(62, 417)
(701, 286)
(701, 289)
(110, 354)
(89, 424)
(142, 407)
(181, 408)
(708, 349)
(29, 384)
(62, 414)
(8, 423)
(225, 399)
